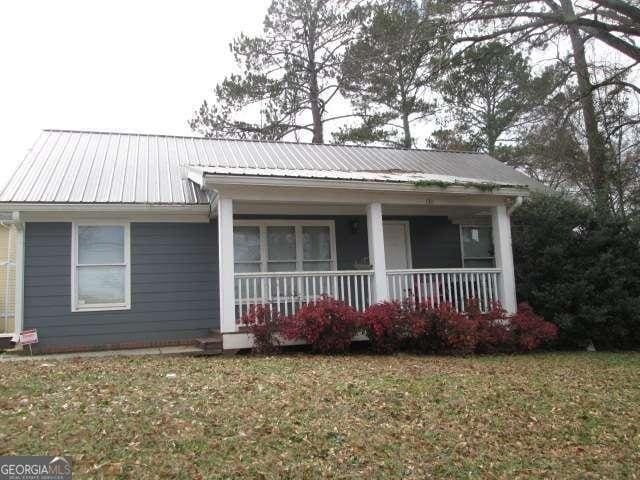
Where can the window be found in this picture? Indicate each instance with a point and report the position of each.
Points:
(283, 245)
(100, 275)
(477, 247)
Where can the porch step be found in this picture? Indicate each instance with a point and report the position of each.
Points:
(211, 345)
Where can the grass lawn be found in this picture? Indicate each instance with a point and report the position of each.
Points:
(548, 415)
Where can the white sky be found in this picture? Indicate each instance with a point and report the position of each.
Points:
(137, 65)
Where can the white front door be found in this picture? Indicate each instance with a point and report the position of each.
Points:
(397, 246)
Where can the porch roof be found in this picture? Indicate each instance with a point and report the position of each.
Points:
(66, 166)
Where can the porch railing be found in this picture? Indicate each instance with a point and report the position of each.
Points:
(286, 292)
(454, 286)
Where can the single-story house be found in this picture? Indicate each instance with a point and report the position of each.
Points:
(132, 240)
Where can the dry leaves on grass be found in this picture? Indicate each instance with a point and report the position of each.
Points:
(558, 415)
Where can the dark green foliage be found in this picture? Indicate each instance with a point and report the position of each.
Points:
(387, 72)
(452, 139)
(580, 273)
(482, 186)
(490, 89)
(433, 183)
(289, 73)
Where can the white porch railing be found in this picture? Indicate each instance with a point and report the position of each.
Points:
(286, 292)
(454, 286)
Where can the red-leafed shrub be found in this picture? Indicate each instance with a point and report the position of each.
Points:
(500, 332)
(453, 332)
(264, 324)
(441, 329)
(328, 325)
(494, 332)
(530, 331)
(388, 326)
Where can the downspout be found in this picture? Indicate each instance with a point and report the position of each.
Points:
(213, 205)
(516, 204)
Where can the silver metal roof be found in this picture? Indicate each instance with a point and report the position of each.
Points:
(66, 166)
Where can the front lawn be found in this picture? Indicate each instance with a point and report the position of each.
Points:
(547, 415)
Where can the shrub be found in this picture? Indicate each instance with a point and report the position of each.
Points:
(264, 324)
(441, 329)
(453, 332)
(529, 331)
(579, 272)
(388, 326)
(328, 325)
(494, 333)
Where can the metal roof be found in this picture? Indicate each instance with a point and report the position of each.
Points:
(66, 166)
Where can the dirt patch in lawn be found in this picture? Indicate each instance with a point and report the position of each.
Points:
(550, 415)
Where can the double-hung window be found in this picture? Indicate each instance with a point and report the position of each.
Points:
(477, 246)
(100, 267)
(284, 245)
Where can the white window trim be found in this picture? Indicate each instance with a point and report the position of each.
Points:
(462, 254)
(96, 307)
(262, 224)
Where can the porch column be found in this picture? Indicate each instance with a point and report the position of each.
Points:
(504, 257)
(18, 315)
(376, 252)
(225, 266)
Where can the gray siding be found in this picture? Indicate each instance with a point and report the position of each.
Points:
(174, 278)
(174, 286)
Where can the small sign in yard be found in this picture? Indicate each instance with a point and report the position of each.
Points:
(29, 337)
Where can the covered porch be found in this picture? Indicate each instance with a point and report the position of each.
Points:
(284, 246)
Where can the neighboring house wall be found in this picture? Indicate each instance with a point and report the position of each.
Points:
(174, 287)
(7, 278)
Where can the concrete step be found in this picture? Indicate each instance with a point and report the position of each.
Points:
(210, 345)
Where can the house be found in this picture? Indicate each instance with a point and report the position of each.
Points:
(131, 240)
(7, 279)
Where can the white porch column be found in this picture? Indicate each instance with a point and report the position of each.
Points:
(504, 257)
(376, 252)
(19, 278)
(225, 266)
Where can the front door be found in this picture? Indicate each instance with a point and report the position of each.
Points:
(397, 247)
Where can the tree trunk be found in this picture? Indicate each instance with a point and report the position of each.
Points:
(406, 141)
(491, 144)
(316, 115)
(314, 90)
(598, 157)
(404, 113)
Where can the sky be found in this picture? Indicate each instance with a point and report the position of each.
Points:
(118, 65)
(132, 66)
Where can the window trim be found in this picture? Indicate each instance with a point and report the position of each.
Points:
(462, 254)
(97, 307)
(262, 225)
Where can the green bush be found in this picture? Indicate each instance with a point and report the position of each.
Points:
(579, 273)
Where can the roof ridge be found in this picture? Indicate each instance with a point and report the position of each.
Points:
(279, 142)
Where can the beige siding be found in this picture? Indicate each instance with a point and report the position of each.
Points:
(7, 278)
